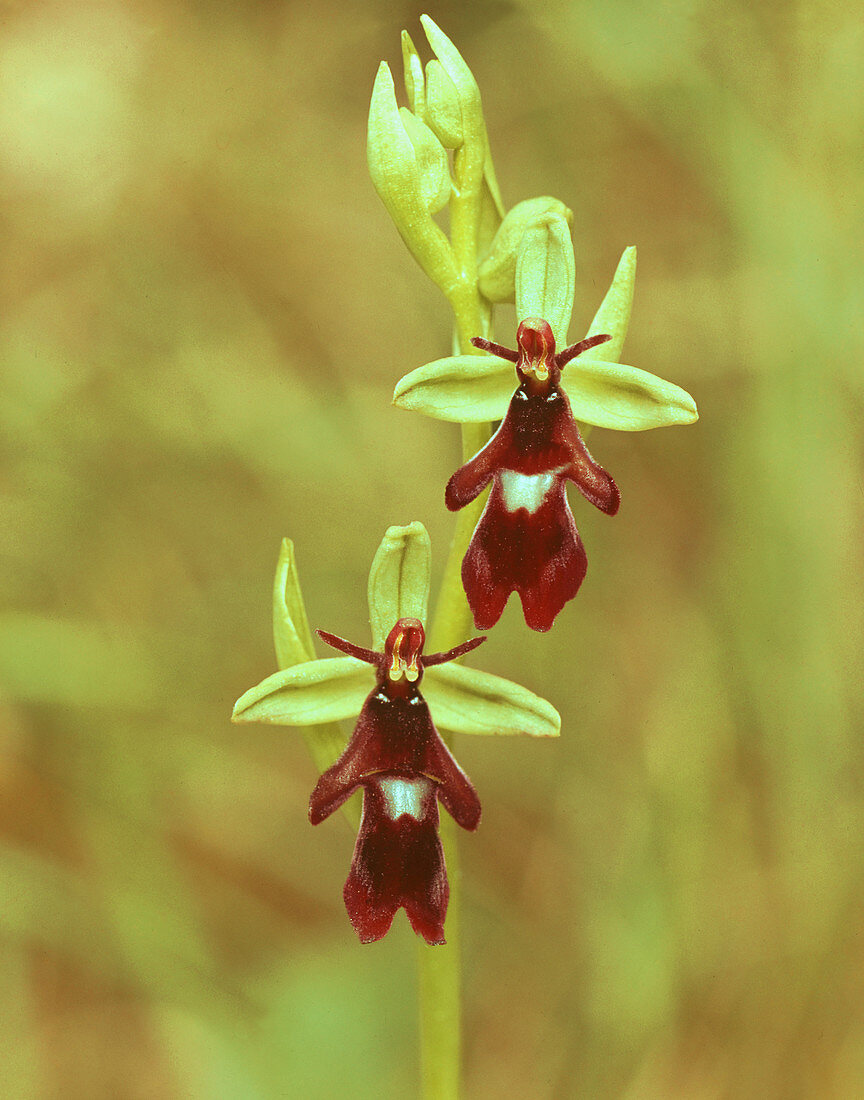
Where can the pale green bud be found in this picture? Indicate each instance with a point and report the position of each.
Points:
(443, 109)
(546, 275)
(461, 78)
(406, 187)
(497, 274)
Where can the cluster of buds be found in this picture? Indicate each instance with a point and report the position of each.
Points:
(432, 154)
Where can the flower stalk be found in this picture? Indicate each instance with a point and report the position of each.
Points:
(519, 537)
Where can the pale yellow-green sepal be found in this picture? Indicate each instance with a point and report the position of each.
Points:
(546, 275)
(291, 635)
(497, 274)
(293, 641)
(613, 316)
(464, 389)
(467, 701)
(399, 580)
(611, 395)
(395, 172)
(308, 694)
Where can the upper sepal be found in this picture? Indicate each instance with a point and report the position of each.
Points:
(546, 274)
(399, 579)
(496, 276)
(468, 701)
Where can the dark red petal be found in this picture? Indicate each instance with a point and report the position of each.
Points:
(373, 889)
(496, 349)
(425, 890)
(567, 354)
(332, 789)
(539, 554)
(592, 481)
(362, 756)
(367, 655)
(454, 653)
(595, 484)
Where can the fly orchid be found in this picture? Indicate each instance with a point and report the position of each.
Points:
(526, 540)
(405, 769)
(395, 753)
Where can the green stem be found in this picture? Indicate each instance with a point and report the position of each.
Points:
(439, 968)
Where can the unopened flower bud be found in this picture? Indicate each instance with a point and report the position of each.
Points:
(433, 170)
(409, 185)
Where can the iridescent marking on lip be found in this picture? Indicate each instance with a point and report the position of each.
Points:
(526, 491)
(404, 796)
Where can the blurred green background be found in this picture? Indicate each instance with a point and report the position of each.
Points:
(203, 311)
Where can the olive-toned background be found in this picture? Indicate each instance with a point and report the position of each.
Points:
(203, 311)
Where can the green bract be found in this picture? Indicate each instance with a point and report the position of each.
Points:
(469, 388)
(322, 691)
(294, 647)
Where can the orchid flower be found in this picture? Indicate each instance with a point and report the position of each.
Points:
(395, 753)
(526, 540)
(398, 757)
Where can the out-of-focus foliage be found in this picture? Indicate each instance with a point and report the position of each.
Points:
(203, 312)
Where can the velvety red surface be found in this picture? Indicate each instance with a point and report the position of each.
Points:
(397, 863)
